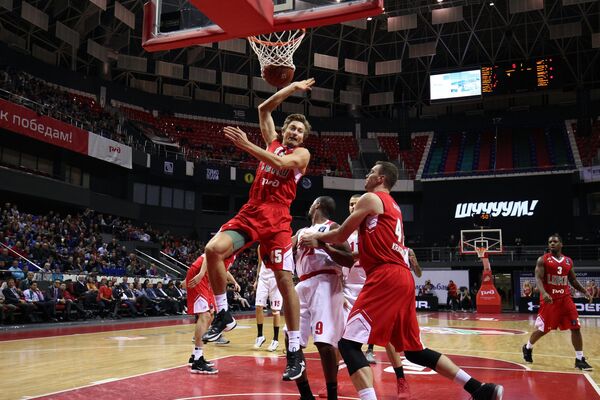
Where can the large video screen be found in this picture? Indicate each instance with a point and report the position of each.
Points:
(455, 85)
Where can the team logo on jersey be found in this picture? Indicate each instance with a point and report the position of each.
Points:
(322, 229)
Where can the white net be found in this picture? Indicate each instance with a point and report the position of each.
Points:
(480, 251)
(277, 48)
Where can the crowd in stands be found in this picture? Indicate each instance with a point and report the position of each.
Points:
(47, 99)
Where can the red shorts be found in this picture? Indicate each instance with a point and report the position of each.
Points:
(385, 310)
(560, 314)
(268, 224)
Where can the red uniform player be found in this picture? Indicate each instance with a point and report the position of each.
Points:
(385, 309)
(266, 218)
(553, 273)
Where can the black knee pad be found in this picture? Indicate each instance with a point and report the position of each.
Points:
(352, 354)
(426, 358)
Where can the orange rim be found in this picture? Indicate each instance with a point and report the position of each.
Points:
(279, 43)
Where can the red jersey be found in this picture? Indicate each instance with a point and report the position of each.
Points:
(556, 276)
(381, 237)
(202, 288)
(275, 185)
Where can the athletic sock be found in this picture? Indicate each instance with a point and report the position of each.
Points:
(259, 330)
(472, 385)
(304, 389)
(399, 372)
(293, 340)
(529, 346)
(198, 353)
(276, 333)
(221, 300)
(579, 355)
(367, 394)
(461, 377)
(332, 391)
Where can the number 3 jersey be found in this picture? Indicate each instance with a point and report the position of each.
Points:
(381, 237)
(556, 276)
(309, 260)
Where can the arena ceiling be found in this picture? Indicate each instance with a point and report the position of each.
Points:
(484, 33)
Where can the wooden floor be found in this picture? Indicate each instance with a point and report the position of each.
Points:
(33, 367)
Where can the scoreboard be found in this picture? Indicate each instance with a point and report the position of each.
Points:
(523, 76)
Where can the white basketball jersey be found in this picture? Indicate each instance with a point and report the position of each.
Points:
(311, 260)
(265, 273)
(353, 278)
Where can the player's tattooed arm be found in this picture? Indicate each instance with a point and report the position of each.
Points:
(539, 279)
(575, 283)
(414, 263)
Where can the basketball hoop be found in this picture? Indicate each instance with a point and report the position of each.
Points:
(480, 251)
(277, 48)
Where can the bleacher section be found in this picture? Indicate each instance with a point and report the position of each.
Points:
(522, 150)
(411, 159)
(203, 140)
(589, 146)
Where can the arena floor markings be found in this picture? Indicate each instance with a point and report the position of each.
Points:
(141, 360)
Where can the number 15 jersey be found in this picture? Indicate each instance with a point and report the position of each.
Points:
(381, 237)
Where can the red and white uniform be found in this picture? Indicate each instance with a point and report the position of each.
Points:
(267, 289)
(353, 279)
(561, 313)
(266, 217)
(201, 298)
(320, 292)
(385, 309)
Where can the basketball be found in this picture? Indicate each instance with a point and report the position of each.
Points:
(278, 75)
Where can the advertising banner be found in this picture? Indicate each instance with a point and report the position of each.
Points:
(529, 297)
(440, 280)
(27, 122)
(520, 206)
(109, 150)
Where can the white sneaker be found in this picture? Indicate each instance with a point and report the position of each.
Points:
(273, 346)
(259, 342)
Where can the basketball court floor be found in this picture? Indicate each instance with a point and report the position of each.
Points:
(147, 359)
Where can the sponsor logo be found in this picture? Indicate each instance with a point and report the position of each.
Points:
(422, 304)
(212, 174)
(168, 167)
(270, 182)
(487, 292)
(558, 291)
(306, 183)
(587, 307)
(517, 209)
(114, 149)
(248, 177)
(531, 306)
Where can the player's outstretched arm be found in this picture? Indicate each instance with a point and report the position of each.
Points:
(267, 125)
(368, 204)
(196, 279)
(298, 159)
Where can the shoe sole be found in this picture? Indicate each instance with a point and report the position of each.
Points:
(222, 343)
(204, 372)
(230, 326)
(212, 338)
(293, 378)
(272, 350)
(209, 364)
(260, 345)
(584, 369)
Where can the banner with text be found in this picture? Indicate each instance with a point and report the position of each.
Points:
(27, 122)
(109, 150)
(440, 280)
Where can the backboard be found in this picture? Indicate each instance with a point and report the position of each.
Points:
(481, 242)
(170, 24)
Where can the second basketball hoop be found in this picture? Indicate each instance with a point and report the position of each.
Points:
(275, 53)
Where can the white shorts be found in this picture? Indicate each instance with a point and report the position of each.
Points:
(267, 289)
(321, 309)
(201, 305)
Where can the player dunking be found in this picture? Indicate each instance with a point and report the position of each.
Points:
(266, 288)
(318, 266)
(200, 302)
(266, 217)
(385, 309)
(553, 273)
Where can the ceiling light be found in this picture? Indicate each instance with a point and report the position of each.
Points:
(369, 19)
(491, 3)
(439, 1)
